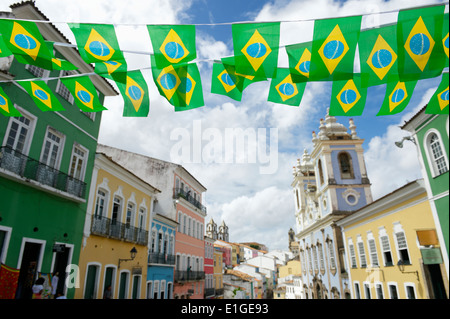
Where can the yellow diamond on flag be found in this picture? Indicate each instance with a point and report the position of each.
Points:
(443, 99)
(98, 47)
(23, 40)
(228, 81)
(256, 50)
(304, 63)
(112, 66)
(348, 96)
(419, 44)
(445, 44)
(397, 96)
(135, 93)
(173, 48)
(168, 81)
(187, 87)
(84, 95)
(41, 95)
(4, 103)
(286, 88)
(333, 49)
(382, 58)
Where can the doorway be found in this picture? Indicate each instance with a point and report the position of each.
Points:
(28, 270)
(435, 280)
(60, 266)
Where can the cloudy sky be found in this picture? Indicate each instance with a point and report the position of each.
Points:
(256, 207)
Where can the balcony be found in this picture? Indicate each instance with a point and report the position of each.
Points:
(164, 259)
(179, 192)
(183, 275)
(31, 169)
(105, 227)
(210, 292)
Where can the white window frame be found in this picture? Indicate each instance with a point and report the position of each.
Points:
(62, 138)
(138, 288)
(410, 284)
(394, 284)
(352, 254)
(155, 289)
(367, 288)
(357, 289)
(398, 229)
(84, 160)
(382, 233)
(4, 251)
(61, 89)
(376, 285)
(45, 73)
(429, 153)
(373, 253)
(149, 289)
(30, 133)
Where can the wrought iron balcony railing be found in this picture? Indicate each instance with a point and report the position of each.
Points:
(106, 227)
(24, 166)
(188, 275)
(157, 258)
(179, 192)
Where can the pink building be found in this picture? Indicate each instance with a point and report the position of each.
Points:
(226, 249)
(209, 268)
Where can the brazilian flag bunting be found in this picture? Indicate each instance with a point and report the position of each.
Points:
(419, 34)
(96, 42)
(333, 48)
(224, 82)
(348, 98)
(113, 70)
(172, 44)
(299, 61)
(439, 101)
(256, 47)
(378, 56)
(84, 93)
(397, 97)
(135, 95)
(6, 107)
(42, 96)
(181, 85)
(284, 90)
(57, 63)
(25, 41)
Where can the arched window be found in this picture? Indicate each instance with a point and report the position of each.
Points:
(436, 156)
(345, 165)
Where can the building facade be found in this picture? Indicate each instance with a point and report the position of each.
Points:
(209, 268)
(430, 133)
(161, 258)
(180, 200)
(329, 184)
(46, 162)
(117, 222)
(388, 246)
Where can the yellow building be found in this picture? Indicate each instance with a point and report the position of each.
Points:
(114, 251)
(391, 248)
(292, 268)
(218, 273)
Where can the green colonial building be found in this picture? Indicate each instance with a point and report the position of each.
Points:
(430, 133)
(46, 163)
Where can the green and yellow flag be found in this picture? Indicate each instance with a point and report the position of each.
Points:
(299, 61)
(439, 101)
(419, 34)
(284, 90)
(84, 93)
(224, 82)
(4, 51)
(397, 97)
(378, 56)
(445, 38)
(348, 97)
(256, 48)
(25, 41)
(181, 85)
(333, 48)
(135, 95)
(172, 44)
(113, 70)
(96, 42)
(59, 64)
(6, 107)
(42, 96)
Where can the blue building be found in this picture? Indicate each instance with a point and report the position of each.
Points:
(161, 258)
(329, 184)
